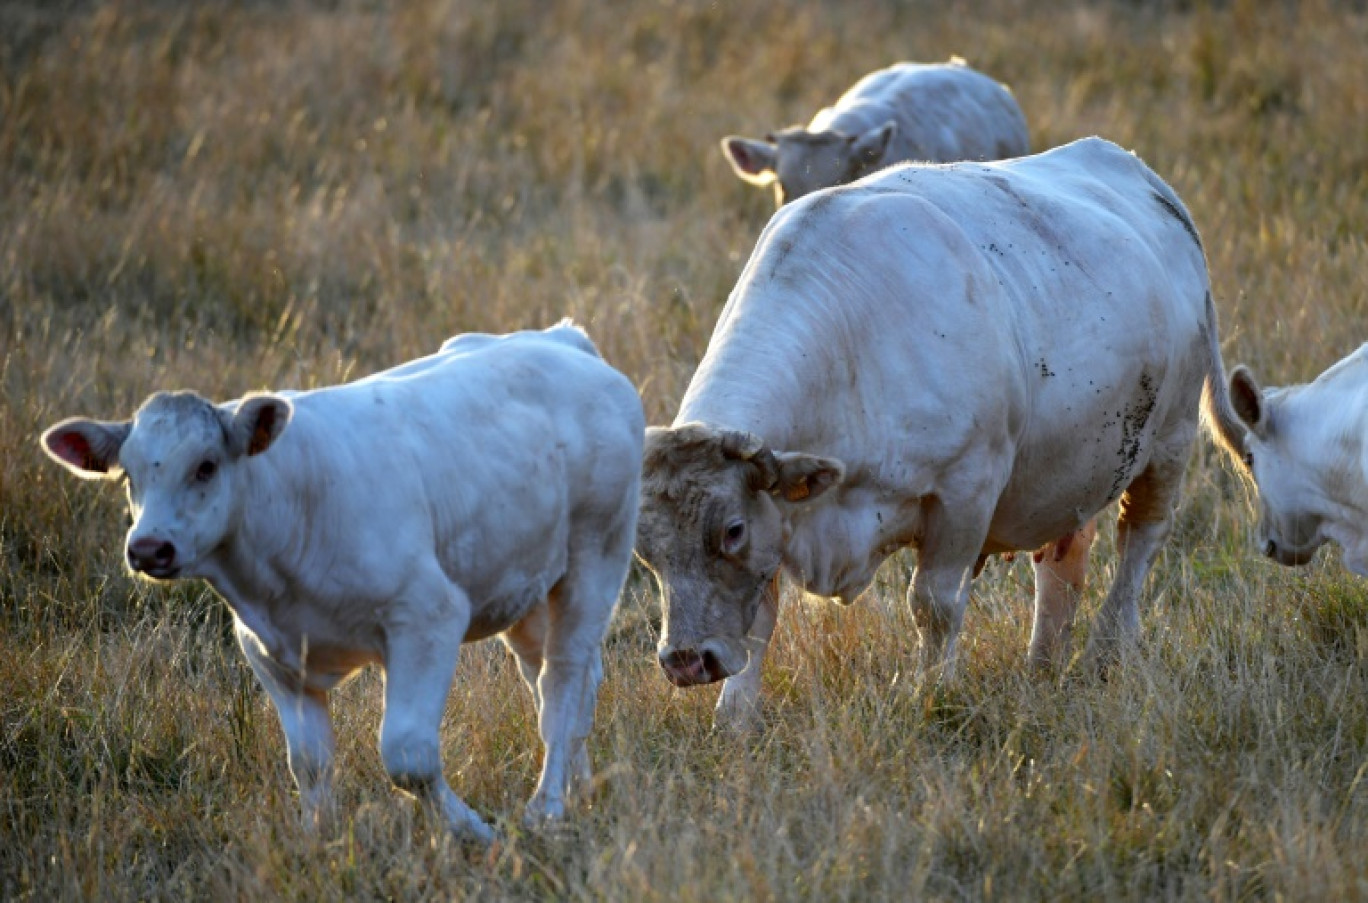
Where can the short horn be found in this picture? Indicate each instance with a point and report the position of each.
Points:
(742, 446)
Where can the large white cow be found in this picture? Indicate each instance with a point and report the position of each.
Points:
(967, 359)
(932, 112)
(1308, 450)
(490, 488)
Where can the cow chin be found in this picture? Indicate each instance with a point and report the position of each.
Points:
(714, 659)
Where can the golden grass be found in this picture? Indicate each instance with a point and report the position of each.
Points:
(236, 196)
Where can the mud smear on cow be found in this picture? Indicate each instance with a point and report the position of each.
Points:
(1133, 421)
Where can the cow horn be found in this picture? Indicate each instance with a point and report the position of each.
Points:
(748, 447)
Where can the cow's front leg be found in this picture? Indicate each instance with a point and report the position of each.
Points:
(304, 717)
(420, 660)
(1060, 569)
(952, 537)
(738, 707)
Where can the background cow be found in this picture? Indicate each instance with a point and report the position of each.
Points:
(932, 112)
(490, 488)
(967, 359)
(1306, 450)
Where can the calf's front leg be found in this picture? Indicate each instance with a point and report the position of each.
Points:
(420, 660)
(304, 717)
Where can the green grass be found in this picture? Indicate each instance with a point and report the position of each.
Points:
(230, 197)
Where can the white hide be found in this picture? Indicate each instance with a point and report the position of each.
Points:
(930, 112)
(487, 489)
(1306, 448)
(994, 352)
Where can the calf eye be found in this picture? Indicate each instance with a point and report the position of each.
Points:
(205, 472)
(1249, 460)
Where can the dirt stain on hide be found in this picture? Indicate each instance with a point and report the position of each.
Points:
(1133, 421)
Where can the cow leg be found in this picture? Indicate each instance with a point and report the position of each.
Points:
(1060, 569)
(527, 641)
(1141, 528)
(420, 660)
(939, 593)
(304, 717)
(738, 707)
(578, 611)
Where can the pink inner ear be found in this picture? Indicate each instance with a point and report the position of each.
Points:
(261, 434)
(75, 449)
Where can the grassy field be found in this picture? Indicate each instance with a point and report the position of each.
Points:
(233, 196)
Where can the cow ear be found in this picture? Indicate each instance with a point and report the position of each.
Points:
(804, 477)
(870, 147)
(87, 448)
(752, 160)
(258, 422)
(1247, 399)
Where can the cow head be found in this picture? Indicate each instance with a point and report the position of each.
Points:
(1286, 463)
(178, 457)
(712, 529)
(798, 162)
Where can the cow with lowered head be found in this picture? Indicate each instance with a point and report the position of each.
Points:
(965, 359)
(1307, 448)
(488, 489)
(930, 112)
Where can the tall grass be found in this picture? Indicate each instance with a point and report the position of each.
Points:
(237, 196)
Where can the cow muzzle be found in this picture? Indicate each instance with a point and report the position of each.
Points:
(1288, 557)
(153, 557)
(707, 663)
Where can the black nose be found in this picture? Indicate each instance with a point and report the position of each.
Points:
(1270, 548)
(150, 554)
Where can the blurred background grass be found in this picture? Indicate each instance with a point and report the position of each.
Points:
(233, 196)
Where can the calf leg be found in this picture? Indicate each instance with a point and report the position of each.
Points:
(420, 660)
(1060, 569)
(578, 611)
(738, 707)
(1141, 528)
(527, 641)
(304, 717)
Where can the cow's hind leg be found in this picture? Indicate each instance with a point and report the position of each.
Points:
(1141, 528)
(579, 608)
(1060, 569)
(420, 660)
(527, 641)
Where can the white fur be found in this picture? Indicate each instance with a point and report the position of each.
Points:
(995, 352)
(490, 488)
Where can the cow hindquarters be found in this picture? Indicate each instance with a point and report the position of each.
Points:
(738, 706)
(1141, 528)
(1060, 570)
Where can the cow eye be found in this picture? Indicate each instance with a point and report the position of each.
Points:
(205, 472)
(733, 536)
(1249, 460)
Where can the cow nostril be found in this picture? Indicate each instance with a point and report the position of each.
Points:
(1270, 548)
(712, 666)
(145, 553)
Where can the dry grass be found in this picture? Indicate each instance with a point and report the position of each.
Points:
(231, 196)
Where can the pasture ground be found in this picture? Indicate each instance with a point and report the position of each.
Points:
(232, 196)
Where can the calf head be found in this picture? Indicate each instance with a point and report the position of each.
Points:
(178, 458)
(712, 530)
(1286, 464)
(798, 162)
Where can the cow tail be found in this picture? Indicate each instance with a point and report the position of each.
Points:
(1218, 414)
